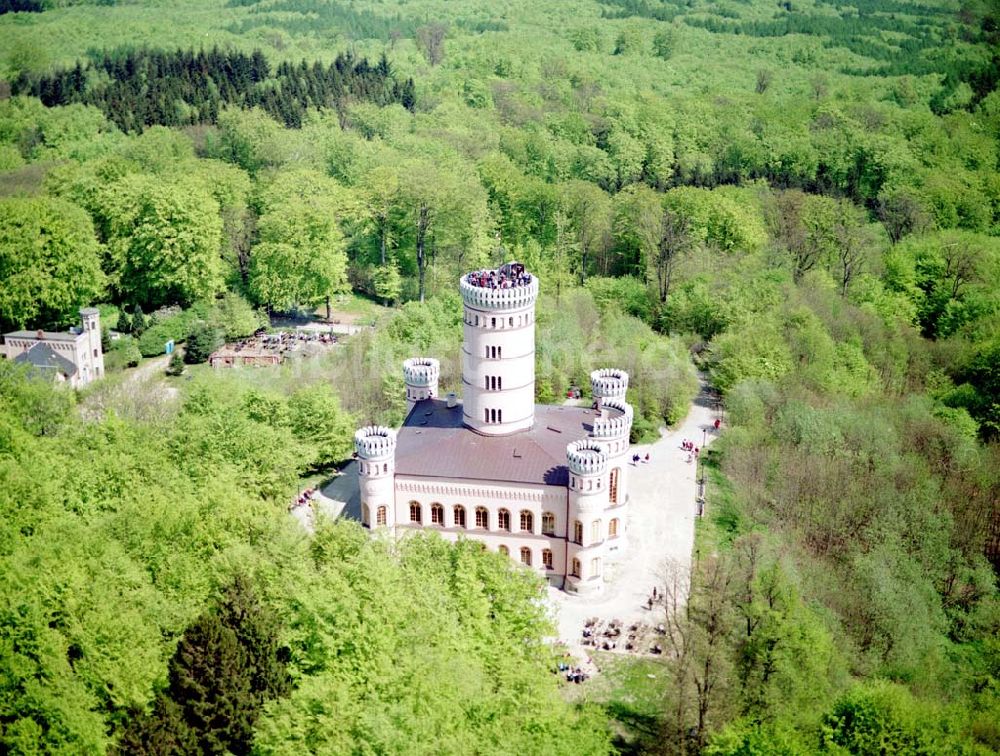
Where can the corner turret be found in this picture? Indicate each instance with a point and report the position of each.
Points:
(421, 376)
(588, 498)
(611, 430)
(609, 383)
(376, 449)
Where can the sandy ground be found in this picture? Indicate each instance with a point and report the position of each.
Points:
(663, 508)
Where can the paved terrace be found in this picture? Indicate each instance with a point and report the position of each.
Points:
(661, 527)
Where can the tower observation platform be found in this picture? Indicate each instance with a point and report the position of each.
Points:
(498, 349)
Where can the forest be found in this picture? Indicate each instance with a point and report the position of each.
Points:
(799, 200)
(147, 88)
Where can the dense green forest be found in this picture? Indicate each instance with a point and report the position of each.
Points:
(801, 199)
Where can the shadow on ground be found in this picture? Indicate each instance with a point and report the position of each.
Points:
(644, 731)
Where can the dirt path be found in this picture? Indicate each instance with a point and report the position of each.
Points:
(661, 527)
(143, 372)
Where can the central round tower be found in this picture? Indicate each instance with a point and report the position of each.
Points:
(498, 350)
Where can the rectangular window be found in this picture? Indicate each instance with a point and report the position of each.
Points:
(548, 523)
(595, 531)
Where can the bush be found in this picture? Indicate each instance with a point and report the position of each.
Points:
(235, 317)
(176, 366)
(123, 353)
(882, 718)
(173, 327)
(203, 339)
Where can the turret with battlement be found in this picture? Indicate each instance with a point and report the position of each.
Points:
(588, 499)
(498, 351)
(421, 376)
(609, 383)
(375, 446)
(610, 431)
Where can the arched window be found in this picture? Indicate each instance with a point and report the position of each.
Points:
(499, 352)
(595, 567)
(595, 531)
(486, 382)
(482, 518)
(510, 321)
(575, 569)
(459, 514)
(548, 523)
(499, 386)
(493, 415)
(503, 550)
(385, 467)
(380, 516)
(547, 558)
(486, 415)
(526, 555)
(487, 352)
(527, 521)
(437, 514)
(415, 511)
(503, 519)
(613, 528)
(499, 415)
(577, 532)
(366, 515)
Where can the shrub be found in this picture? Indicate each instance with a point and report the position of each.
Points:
(203, 339)
(173, 327)
(123, 353)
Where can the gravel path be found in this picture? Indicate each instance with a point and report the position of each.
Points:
(661, 527)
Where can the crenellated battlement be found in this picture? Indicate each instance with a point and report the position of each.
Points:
(615, 420)
(421, 371)
(375, 442)
(488, 297)
(586, 457)
(607, 383)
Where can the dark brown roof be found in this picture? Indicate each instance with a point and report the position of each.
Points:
(434, 443)
(44, 357)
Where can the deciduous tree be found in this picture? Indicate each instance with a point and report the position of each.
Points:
(49, 262)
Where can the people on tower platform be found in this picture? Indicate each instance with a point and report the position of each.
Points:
(509, 276)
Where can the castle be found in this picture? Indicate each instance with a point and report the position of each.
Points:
(74, 357)
(547, 485)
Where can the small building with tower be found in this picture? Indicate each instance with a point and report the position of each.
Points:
(545, 484)
(74, 357)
